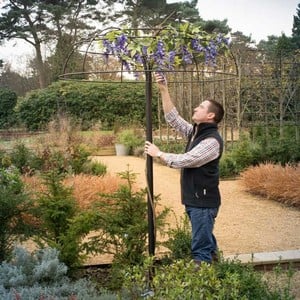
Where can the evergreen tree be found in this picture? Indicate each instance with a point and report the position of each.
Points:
(151, 13)
(296, 29)
(285, 46)
(47, 22)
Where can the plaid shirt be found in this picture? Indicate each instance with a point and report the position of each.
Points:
(206, 151)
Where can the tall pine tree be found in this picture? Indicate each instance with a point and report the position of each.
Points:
(296, 28)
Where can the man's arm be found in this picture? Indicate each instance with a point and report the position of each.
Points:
(164, 91)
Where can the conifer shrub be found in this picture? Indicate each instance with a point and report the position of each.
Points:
(26, 160)
(14, 204)
(61, 225)
(121, 225)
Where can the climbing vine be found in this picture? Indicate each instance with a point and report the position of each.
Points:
(166, 49)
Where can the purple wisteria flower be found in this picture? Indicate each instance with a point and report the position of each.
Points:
(144, 50)
(171, 60)
(162, 56)
(196, 45)
(187, 57)
(159, 55)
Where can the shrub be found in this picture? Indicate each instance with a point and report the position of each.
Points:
(130, 139)
(122, 227)
(275, 182)
(278, 144)
(78, 158)
(179, 239)
(86, 188)
(89, 103)
(94, 168)
(14, 203)
(25, 159)
(228, 166)
(58, 213)
(5, 160)
(283, 151)
(41, 275)
(7, 104)
(72, 159)
(177, 146)
(181, 280)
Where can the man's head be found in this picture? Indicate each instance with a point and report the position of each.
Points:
(209, 111)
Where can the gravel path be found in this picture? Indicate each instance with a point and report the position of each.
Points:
(245, 224)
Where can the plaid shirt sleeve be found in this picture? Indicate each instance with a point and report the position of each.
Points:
(178, 123)
(206, 151)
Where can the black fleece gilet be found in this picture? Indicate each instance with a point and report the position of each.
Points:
(200, 186)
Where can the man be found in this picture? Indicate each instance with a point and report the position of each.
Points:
(199, 168)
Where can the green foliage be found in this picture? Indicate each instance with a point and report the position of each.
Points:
(283, 151)
(251, 284)
(24, 159)
(178, 45)
(277, 149)
(79, 156)
(129, 138)
(38, 108)
(14, 203)
(75, 159)
(57, 211)
(228, 166)
(177, 146)
(88, 103)
(8, 100)
(266, 148)
(179, 239)
(5, 160)
(182, 280)
(242, 154)
(41, 275)
(94, 168)
(296, 28)
(122, 226)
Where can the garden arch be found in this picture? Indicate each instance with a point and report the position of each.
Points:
(194, 63)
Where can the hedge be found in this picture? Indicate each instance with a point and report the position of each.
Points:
(89, 103)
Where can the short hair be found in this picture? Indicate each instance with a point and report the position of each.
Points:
(217, 109)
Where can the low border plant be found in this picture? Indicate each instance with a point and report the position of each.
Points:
(182, 280)
(41, 275)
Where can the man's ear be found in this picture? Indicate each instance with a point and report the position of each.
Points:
(211, 115)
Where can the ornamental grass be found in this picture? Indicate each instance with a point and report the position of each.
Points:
(276, 182)
(86, 188)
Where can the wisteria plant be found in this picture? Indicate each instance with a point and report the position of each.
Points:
(166, 49)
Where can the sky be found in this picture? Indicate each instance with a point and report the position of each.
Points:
(258, 18)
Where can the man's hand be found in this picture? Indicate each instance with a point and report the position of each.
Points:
(160, 79)
(151, 149)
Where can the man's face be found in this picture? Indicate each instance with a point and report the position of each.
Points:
(202, 114)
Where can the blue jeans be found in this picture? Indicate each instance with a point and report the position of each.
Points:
(203, 240)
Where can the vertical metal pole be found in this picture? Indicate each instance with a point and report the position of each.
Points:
(149, 162)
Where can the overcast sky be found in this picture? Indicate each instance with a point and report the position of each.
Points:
(258, 18)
